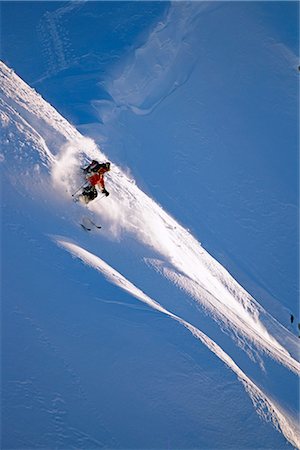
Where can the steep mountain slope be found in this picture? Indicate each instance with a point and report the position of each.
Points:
(41, 154)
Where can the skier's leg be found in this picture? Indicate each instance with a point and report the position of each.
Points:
(89, 194)
(93, 193)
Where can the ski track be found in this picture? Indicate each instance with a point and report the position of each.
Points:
(184, 261)
(265, 407)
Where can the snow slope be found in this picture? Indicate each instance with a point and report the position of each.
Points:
(40, 154)
(260, 400)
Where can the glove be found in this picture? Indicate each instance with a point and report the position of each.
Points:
(104, 191)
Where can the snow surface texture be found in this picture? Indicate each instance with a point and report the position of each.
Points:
(40, 142)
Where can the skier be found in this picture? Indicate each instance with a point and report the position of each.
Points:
(95, 176)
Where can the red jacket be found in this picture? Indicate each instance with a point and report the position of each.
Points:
(98, 178)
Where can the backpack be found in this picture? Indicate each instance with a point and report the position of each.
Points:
(93, 167)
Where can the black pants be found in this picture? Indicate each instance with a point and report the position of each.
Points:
(90, 192)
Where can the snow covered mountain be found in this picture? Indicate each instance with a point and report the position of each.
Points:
(105, 335)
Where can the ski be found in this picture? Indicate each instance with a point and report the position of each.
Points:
(88, 224)
(96, 226)
(85, 228)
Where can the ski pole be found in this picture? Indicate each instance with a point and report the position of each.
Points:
(102, 196)
(74, 193)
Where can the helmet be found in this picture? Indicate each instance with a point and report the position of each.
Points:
(107, 166)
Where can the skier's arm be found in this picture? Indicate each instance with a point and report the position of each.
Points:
(102, 185)
(101, 182)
